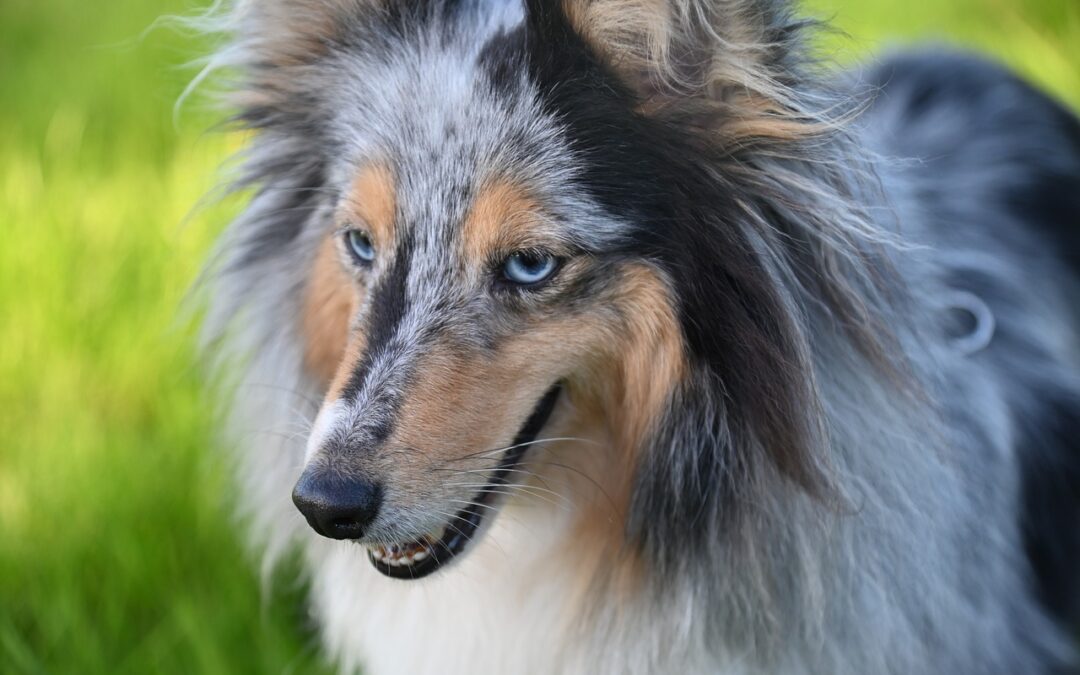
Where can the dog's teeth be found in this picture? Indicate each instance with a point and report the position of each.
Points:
(401, 555)
(379, 553)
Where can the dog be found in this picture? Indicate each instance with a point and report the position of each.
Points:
(621, 336)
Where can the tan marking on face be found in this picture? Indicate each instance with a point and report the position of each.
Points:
(474, 402)
(620, 368)
(353, 352)
(640, 368)
(502, 218)
(372, 203)
(651, 358)
(330, 301)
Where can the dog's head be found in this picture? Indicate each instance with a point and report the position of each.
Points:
(515, 212)
(449, 309)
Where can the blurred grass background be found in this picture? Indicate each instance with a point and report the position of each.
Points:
(117, 553)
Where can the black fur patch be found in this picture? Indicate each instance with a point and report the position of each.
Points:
(503, 59)
(1051, 502)
(389, 303)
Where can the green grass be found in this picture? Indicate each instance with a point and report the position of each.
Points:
(1039, 38)
(117, 552)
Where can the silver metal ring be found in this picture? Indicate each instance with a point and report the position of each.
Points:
(980, 336)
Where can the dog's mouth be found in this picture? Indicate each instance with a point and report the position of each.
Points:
(421, 557)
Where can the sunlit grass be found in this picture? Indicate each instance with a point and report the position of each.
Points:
(1038, 38)
(117, 553)
(117, 550)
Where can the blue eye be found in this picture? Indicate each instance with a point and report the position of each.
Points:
(360, 246)
(526, 268)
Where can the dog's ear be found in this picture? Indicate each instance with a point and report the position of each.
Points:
(295, 32)
(726, 67)
(273, 47)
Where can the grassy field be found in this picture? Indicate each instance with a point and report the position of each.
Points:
(117, 552)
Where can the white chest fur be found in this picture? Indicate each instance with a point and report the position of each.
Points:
(505, 607)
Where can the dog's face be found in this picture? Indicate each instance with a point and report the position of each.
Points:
(455, 328)
(465, 282)
(506, 214)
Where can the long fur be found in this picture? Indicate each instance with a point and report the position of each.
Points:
(837, 484)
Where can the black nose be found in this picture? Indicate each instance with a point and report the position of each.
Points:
(336, 507)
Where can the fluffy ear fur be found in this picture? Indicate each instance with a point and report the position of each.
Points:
(283, 51)
(724, 66)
